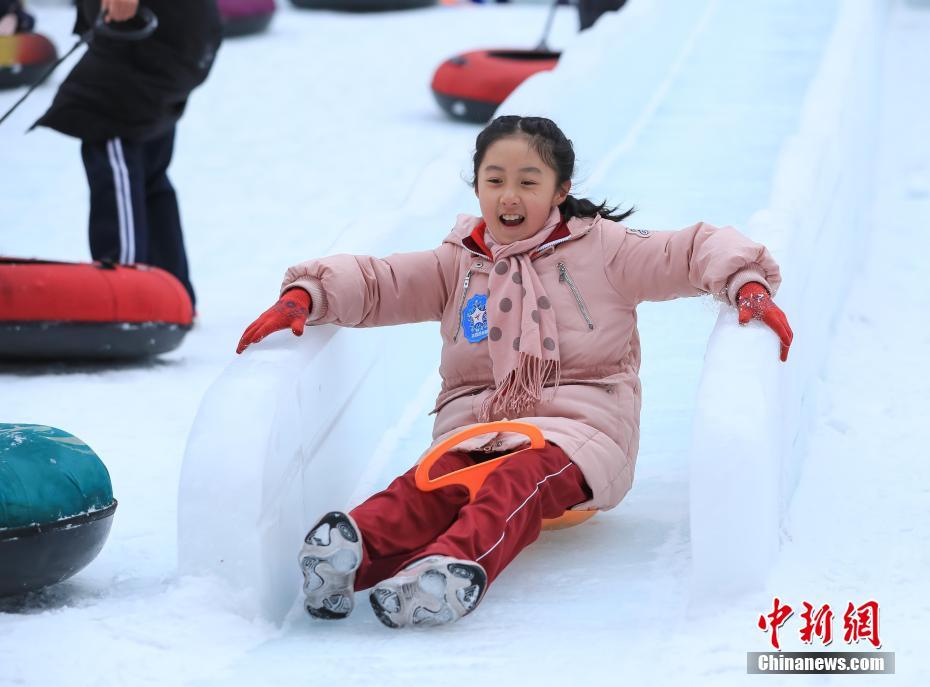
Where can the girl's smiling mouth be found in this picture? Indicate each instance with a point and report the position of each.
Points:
(511, 220)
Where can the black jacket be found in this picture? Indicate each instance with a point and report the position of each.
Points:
(589, 11)
(137, 90)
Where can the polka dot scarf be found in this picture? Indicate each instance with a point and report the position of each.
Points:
(522, 333)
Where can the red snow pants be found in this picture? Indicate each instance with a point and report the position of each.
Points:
(403, 524)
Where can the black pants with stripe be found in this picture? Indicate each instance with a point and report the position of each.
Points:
(134, 214)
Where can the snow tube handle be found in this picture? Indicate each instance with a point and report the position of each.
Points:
(138, 28)
(473, 476)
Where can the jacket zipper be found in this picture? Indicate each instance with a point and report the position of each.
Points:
(564, 276)
(552, 244)
(458, 327)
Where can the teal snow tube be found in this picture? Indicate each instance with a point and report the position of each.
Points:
(56, 506)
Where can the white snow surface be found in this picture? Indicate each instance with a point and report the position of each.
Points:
(321, 136)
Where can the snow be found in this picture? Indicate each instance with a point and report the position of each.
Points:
(815, 218)
(718, 110)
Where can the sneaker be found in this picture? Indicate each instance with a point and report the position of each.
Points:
(331, 554)
(433, 591)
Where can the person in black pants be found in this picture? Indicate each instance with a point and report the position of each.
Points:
(589, 11)
(123, 99)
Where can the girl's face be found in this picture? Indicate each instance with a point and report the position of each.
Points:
(516, 189)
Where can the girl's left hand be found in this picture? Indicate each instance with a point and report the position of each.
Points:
(755, 303)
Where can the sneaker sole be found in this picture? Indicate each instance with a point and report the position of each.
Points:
(328, 560)
(436, 596)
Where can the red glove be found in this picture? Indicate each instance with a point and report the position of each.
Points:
(291, 310)
(755, 303)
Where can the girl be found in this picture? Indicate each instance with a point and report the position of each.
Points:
(537, 302)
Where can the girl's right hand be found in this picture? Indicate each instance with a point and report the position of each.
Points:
(291, 310)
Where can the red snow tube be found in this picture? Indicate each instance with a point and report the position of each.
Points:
(242, 17)
(24, 57)
(83, 311)
(472, 85)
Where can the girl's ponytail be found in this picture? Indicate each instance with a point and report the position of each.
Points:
(582, 207)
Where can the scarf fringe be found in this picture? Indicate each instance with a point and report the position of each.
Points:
(521, 388)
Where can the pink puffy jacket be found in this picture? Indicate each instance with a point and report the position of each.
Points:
(595, 278)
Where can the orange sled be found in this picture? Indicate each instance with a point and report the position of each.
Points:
(473, 477)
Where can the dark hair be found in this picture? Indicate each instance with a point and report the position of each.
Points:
(556, 151)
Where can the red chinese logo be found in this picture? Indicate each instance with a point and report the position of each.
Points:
(780, 613)
(858, 623)
(819, 624)
(861, 623)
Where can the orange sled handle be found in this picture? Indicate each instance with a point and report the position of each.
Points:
(473, 476)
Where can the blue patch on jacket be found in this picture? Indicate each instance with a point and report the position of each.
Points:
(475, 318)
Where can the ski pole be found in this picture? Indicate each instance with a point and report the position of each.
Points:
(543, 46)
(100, 27)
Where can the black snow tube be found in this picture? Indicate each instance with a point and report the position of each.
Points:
(38, 556)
